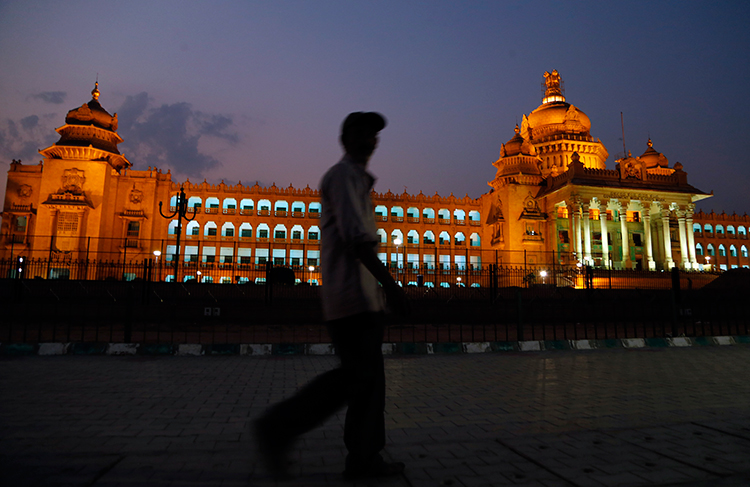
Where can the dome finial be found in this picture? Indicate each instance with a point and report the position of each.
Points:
(553, 87)
(518, 131)
(95, 91)
(650, 144)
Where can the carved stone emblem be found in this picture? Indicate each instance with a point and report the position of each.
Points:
(136, 196)
(72, 181)
(24, 191)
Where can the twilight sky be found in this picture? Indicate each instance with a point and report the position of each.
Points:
(256, 91)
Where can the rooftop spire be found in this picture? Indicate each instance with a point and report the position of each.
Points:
(553, 87)
(95, 91)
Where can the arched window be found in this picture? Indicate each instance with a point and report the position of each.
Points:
(314, 232)
(297, 232)
(733, 251)
(279, 232)
(444, 214)
(459, 238)
(412, 237)
(730, 230)
(428, 213)
(298, 207)
(445, 238)
(743, 251)
(280, 208)
(194, 202)
(397, 211)
(193, 228)
(212, 202)
(229, 204)
(247, 204)
(382, 212)
(459, 215)
(262, 231)
(475, 240)
(246, 230)
(264, 207)
(696, 228)
(428, 238)
(413, 214)
(741, 232)
(210, 229)
(474, 216)
(698, 249)
(314, 208)
(383, 235)
(710, 249)
(397, 234)
(708, 228)
(227, 230)
(173, 227)
(719, 230)
(722, 250)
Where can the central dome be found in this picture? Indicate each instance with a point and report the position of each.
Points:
(555, 115)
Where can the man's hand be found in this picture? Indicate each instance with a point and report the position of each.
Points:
(395, 296)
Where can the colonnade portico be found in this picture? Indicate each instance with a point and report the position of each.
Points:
(657, 240)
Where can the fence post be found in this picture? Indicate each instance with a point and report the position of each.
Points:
(519, 325)
(128, 331)
(269, 282)
(676, 298)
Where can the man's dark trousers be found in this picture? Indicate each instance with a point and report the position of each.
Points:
(359, 382)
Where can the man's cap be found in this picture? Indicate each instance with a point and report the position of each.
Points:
(370, 121)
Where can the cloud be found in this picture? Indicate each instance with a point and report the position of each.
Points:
(55, 97)
(22, 139)
(169, 136)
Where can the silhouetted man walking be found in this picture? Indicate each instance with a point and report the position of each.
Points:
(353, 306)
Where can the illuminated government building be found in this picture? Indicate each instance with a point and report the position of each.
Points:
(552, 202)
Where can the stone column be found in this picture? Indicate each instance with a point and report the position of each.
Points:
(647, 236)
(683, 240)
(626, 263)
(668, 261)
(587, 235)
(577, 244)
(605, 238)
(691, 236)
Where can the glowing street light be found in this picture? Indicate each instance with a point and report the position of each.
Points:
(311, 269)
(543, 274)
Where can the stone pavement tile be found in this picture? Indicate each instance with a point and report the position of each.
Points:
(703, 448)
(595, 459)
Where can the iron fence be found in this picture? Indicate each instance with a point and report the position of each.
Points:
(507, 306)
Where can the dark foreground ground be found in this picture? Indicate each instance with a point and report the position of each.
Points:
(641, 417)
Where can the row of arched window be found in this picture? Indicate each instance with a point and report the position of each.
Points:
(413, 212)
(249, 204)
(245, 230)
(196, 202)
(298, 232)
(711, 250)
(730, 230)
(413, 237)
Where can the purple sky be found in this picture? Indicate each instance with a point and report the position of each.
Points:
(256, 91)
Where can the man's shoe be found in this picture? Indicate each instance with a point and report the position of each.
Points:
(273, 449)
(377, 469)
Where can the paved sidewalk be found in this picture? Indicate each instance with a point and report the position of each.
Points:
(668, 416)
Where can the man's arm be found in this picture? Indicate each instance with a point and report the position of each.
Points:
(394, 294)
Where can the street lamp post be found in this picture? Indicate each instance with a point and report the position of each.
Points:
(398, 242)
(157, 253)
(311, 269)
(180, 212)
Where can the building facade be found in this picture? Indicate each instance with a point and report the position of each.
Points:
(552, 202)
